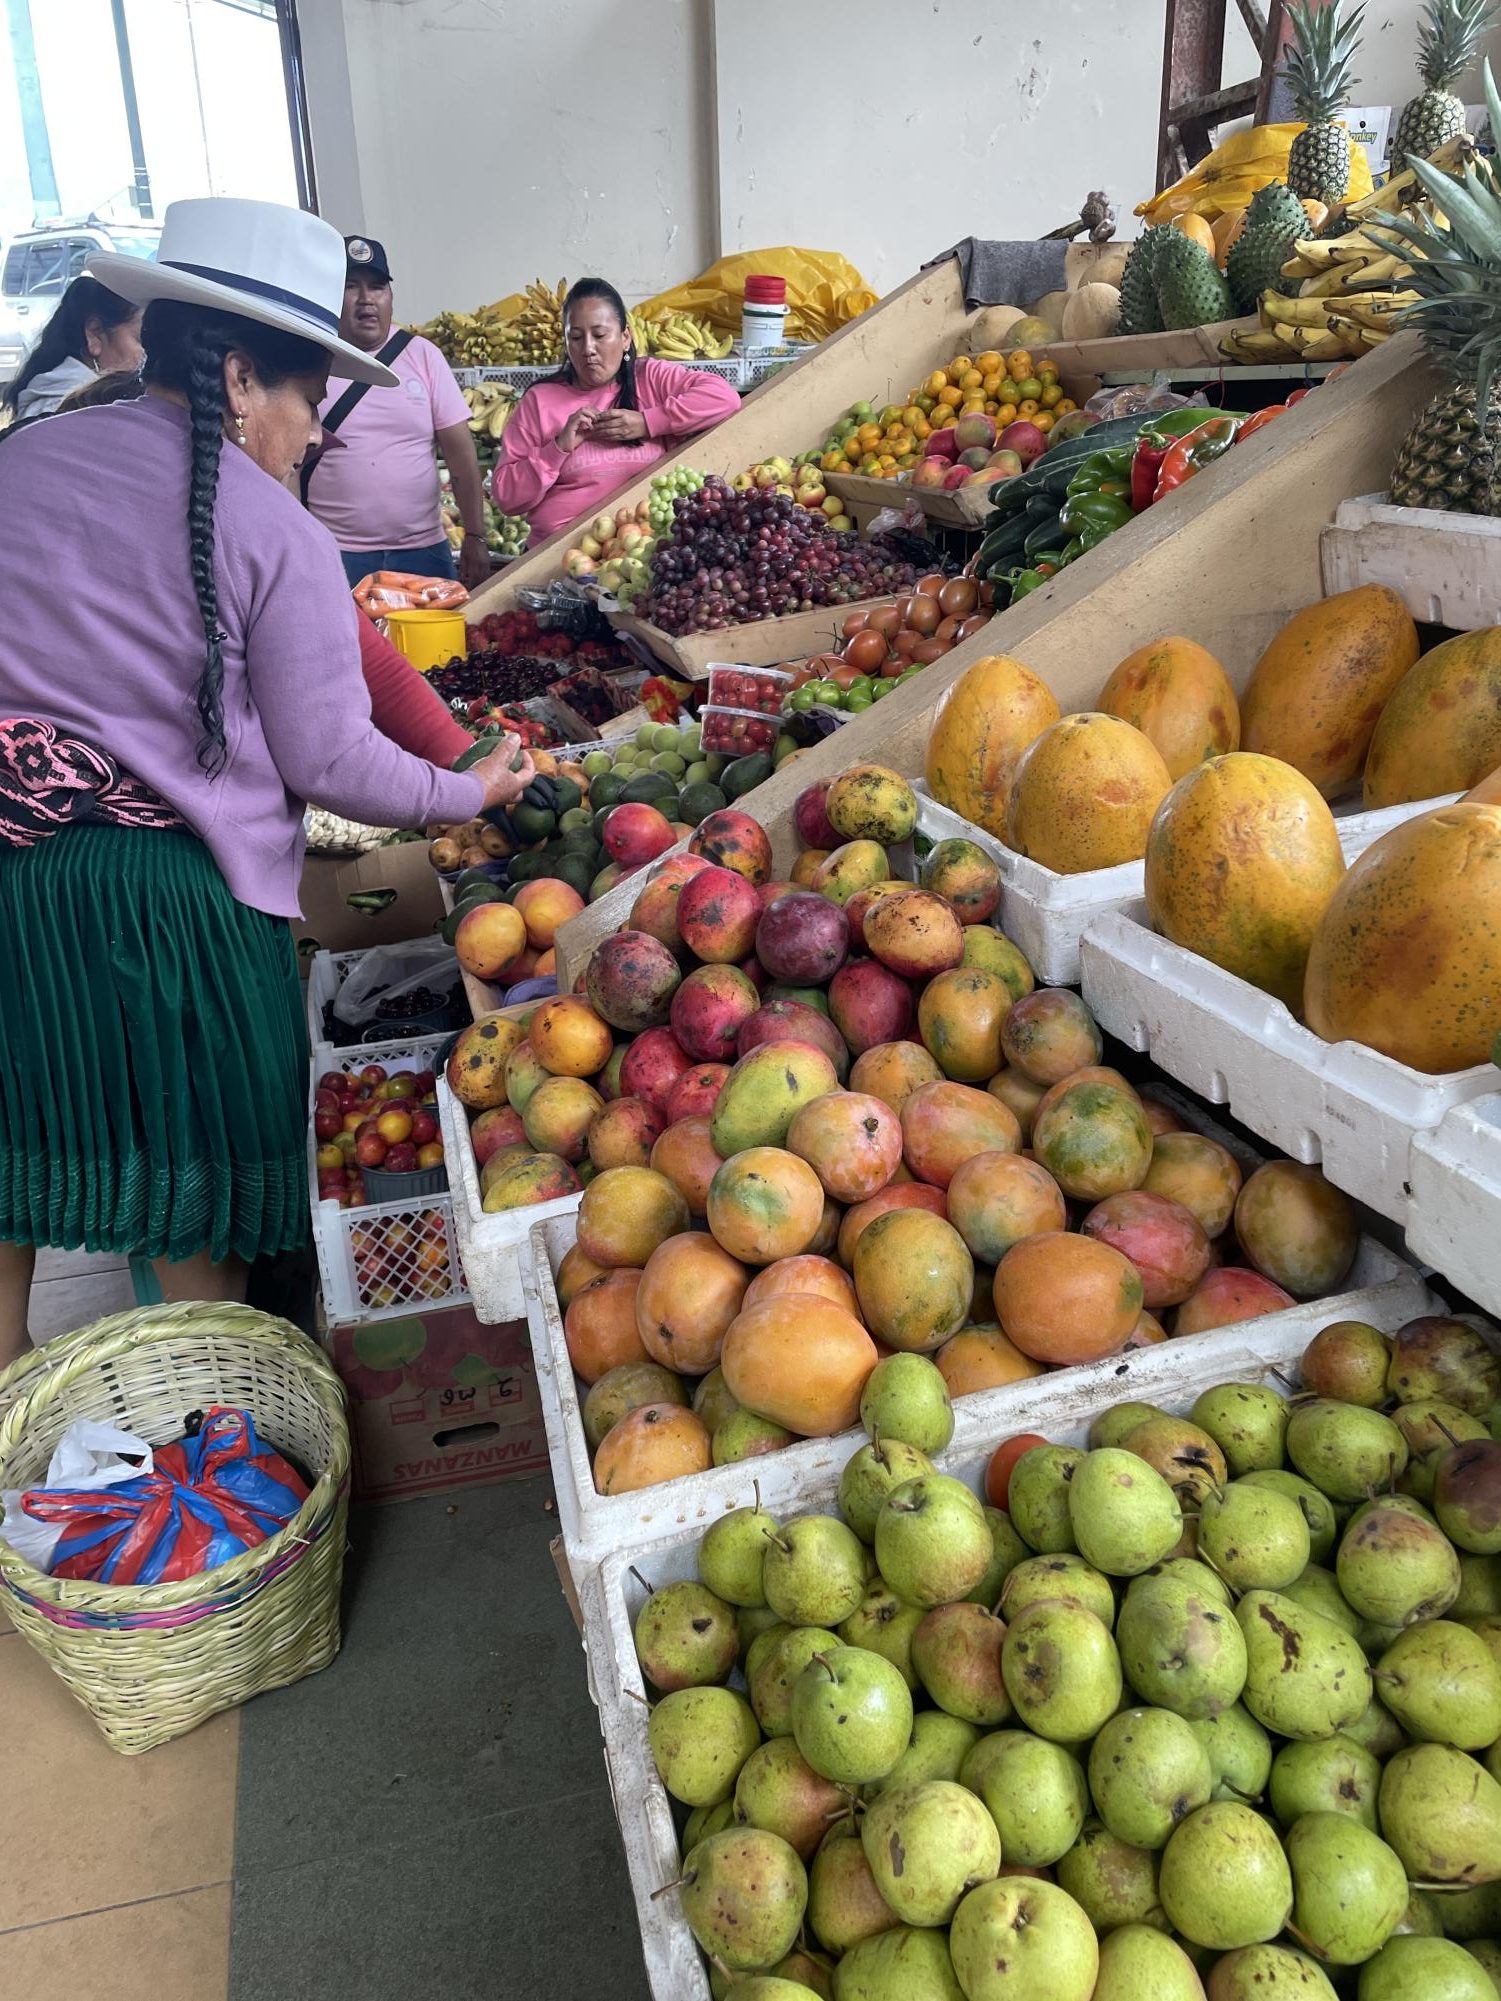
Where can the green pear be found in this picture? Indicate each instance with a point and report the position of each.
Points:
(700, 1737)
(1061, 1671)
(1305, 1676)
(1443, 1685)
(1318, 1509)
(770, 1987)
(1239, 1750)
(1113, 1882)
(1061, 1576)
(814, 1571)
(1268, 1973)
(1148, 1771)
(1444, 1359)
(885, 1624)
(1182, 1452)
(937, 1749)
(899, 1965)
(707, 1820)
(1332, 1774)
(873, 1473)
(1347, 1452)
(779, 1790)
(1430, 1428)
(1349, 1888)
(1488, 1952)
(932, 1541)
(1021, 1940)
(1139, 1963)
(1470, 1914)
(1035, 1792)
(1348, 1361)
(1393, 1568)
(772, 1677)
(1181, 1648)
(1038, 1497)
(751, 1622)
(1007, 1550)
(1114, 1426)
(686, 1637)
(732, 1555)
(1188, 1570)
(905, 1397)
(1124, 1515)
(1421, 1918)
(1424, 1969)
(851, 1715)
(1479, 1595)
(927, 1845)
(744, 1893)
(957, 1653)
(1442, 1813)
(1467, 1496)
(844, 1905)
(1225, 1881)
(1256, 1538)
(1317, 1590)
(1376, 1730)
(1247, 1421)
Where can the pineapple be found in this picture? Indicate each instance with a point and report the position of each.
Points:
(1449, 459)
(1318, 74)
(1446, 47)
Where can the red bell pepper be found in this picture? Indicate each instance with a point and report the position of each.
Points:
(1146, 463)
(1190, 455)
(1259, 422)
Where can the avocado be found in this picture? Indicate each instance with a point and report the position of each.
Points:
(607, 790)
(470, 876)
(526, 868)
(574, 818)
(532, 823)
(649, 789)
(578, 871)
(745, 774)
(697, 802)
(566, 796)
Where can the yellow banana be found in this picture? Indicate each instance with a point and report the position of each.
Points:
(1277, 311)
(1325, 285)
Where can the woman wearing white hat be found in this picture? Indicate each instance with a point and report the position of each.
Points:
(179, 676)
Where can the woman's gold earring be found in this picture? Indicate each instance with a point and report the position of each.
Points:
(239, 430)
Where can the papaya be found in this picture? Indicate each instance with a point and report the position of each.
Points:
(1179, 696)
(1407, 956)
(1316, 693)
(1241, 862)
(983, 723)
(1083, 794)
(1441, 728)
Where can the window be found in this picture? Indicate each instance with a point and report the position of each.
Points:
(15, 267)
(47, 270)
(79, 251)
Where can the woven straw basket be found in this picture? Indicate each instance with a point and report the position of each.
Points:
(151, 1662)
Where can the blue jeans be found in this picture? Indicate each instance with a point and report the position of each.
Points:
(434, 561)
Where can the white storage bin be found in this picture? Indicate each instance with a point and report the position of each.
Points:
(1454, 1222)
(495, 1248)
(1446, 567)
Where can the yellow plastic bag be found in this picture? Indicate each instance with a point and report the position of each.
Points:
(824, 290)
(1236, 169)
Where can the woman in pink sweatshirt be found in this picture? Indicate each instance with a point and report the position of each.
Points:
(602, 420)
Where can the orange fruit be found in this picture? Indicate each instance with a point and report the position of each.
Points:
(950, 397)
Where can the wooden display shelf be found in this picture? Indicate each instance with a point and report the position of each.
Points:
(1188, 348)
(1225, 561)
(963, 507)
(761, 644)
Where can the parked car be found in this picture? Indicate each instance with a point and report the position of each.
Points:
(40, 264)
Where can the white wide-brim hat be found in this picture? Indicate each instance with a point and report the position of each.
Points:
(269, 263)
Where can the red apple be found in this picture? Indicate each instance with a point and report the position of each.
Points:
(424, 1083)
(373, 1074)
(424, 1129)
(401, 1158)
(430, 1155)
(400, 1084)
(329, 1159)
(370, 1150)
(346, 1143)
(353, 1121)
(333, 1080)
(394, 1127)
(326, 1124)
(326, 1101)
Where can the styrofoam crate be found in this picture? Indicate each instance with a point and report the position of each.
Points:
(495, 1248)
(409, 1248)
(1338, 1104)
(1454, 1221)
(1046, 914)
(1444, 566)
(613, 1594)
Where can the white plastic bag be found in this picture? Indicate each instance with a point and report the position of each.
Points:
(390, 970)
(89, 1456)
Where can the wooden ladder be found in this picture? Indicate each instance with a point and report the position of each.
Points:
(1194, 98)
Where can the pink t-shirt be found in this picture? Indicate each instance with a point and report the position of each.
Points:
(376, 486)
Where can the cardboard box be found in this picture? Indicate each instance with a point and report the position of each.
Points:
(438, 1401)
(328, 881)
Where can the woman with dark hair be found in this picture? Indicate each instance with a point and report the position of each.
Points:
(93, 332)
(602, 420)
(179, 677)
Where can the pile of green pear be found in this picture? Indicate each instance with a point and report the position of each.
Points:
(1212, 1707)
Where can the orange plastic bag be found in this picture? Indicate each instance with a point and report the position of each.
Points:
(394, 590)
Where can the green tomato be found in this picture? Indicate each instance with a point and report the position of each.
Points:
(861, 685)
(803, 699)
(858, 699)
(881, 688)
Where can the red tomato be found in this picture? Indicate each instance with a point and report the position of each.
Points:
(1003, 1459)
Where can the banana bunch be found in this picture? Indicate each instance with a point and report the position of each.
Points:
(1349, 291)
(539, 326)
(490, 407)
(1402, 190)
(473, 340)
(681, 337)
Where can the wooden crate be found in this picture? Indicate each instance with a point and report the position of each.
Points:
(762, 644)
(964, 507)
(1225, 563)
(1191, 347)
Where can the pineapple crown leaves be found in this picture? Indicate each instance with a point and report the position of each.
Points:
(1318, 64)
(1448, 35)
(1458, 269)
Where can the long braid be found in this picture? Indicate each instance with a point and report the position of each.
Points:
(204, 386)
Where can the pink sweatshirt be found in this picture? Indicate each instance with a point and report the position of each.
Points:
(554, 488)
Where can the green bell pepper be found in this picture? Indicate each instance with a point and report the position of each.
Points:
(1093, 516)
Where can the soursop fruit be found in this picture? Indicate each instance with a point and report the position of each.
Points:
(1274, 222)
(1191, 288)
(1139, 310)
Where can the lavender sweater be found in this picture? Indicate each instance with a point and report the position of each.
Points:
(100, 635)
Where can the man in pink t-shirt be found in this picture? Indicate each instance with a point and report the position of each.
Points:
(375, 484)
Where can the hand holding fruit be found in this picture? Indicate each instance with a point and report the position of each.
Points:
(619, 427)
(577, 428)
(507, 772)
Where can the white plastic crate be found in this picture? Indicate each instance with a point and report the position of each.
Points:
(384, 1258)
(1339, 1104)
(328, 972)
(495, 1248)
(1446, 567)
(1454, 1222)
(612, 1595)
(1047, 914)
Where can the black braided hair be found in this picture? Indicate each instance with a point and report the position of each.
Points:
(186, 349)
(600, 288)
(66, 333)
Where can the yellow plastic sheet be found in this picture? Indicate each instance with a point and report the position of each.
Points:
(824, 291)
(1233, 172)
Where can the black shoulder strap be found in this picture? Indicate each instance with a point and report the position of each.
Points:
(346, 403)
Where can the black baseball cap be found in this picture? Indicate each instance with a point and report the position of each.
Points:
(365, 255)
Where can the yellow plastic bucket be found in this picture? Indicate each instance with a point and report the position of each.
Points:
(428, 638)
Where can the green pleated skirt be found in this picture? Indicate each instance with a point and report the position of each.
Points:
(152, 1065)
